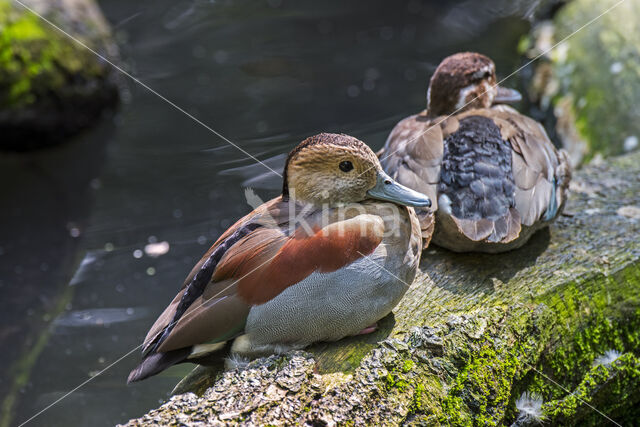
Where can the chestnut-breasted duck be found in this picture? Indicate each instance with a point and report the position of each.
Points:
(493, 174)
(327, 259)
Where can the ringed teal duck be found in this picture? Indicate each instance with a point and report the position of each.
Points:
(493, 174)
(327, 259)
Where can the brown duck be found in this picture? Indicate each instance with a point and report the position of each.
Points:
(327, 259)
(493, 174)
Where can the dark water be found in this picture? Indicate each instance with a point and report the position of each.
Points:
(78, 290)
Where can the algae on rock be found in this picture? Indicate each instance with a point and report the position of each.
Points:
(50, 86)
(473, 333)
(592, 80)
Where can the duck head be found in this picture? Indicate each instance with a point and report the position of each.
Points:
(464, 81)
(332, 169)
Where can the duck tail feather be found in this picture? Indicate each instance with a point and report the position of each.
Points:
(155, 363)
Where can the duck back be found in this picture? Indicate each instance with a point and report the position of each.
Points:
(476, 173)
(476, 183)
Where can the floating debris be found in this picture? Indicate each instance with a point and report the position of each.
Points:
(99, 316)
(616, 67)
(84, 266)
(156, 249)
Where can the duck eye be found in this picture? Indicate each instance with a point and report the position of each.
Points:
(346, 166)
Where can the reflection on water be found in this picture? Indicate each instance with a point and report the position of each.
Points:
(98, 317)
(80, 289)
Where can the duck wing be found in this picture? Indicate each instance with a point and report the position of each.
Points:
(258, 258)
(412, 155)
(260, 226)
(541, 173)
(476, 189)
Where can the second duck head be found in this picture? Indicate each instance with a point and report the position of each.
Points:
(464, 81)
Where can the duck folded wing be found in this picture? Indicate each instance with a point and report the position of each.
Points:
(201, 297)
(541, 173)
(202, 312)
(476, 188)
(412, 155)
(254, 264)
(261, 229)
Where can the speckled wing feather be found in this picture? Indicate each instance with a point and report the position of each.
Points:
(476, 188)
(413, 153)
(541, 173)
(486, 181)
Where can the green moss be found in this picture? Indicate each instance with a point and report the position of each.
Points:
(483, 387)
(397, 381)
(407, 366)
(592, 317)
(603, 390)
(601, 316)
(524, 44)
(418, 396)
(573, 325)
(599, 70)
(35, 58)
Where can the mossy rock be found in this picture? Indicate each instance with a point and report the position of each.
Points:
(51, 87)
(472, 334)
(608, 388)
(592, 80)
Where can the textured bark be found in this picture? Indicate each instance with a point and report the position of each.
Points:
(472, 334)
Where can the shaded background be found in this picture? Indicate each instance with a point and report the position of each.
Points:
(78, 290)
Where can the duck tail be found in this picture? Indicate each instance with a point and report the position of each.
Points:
(155, 363)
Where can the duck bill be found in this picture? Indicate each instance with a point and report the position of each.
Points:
(390, 191)
(505, 95)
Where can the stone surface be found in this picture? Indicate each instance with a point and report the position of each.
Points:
(474, 333)
(51, 87)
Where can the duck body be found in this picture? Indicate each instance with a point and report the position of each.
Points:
(354, 296)
(296, 271)
(493, 174)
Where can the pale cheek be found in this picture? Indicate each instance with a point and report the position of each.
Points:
(321, 186)
(348, 189)
(466, 96)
